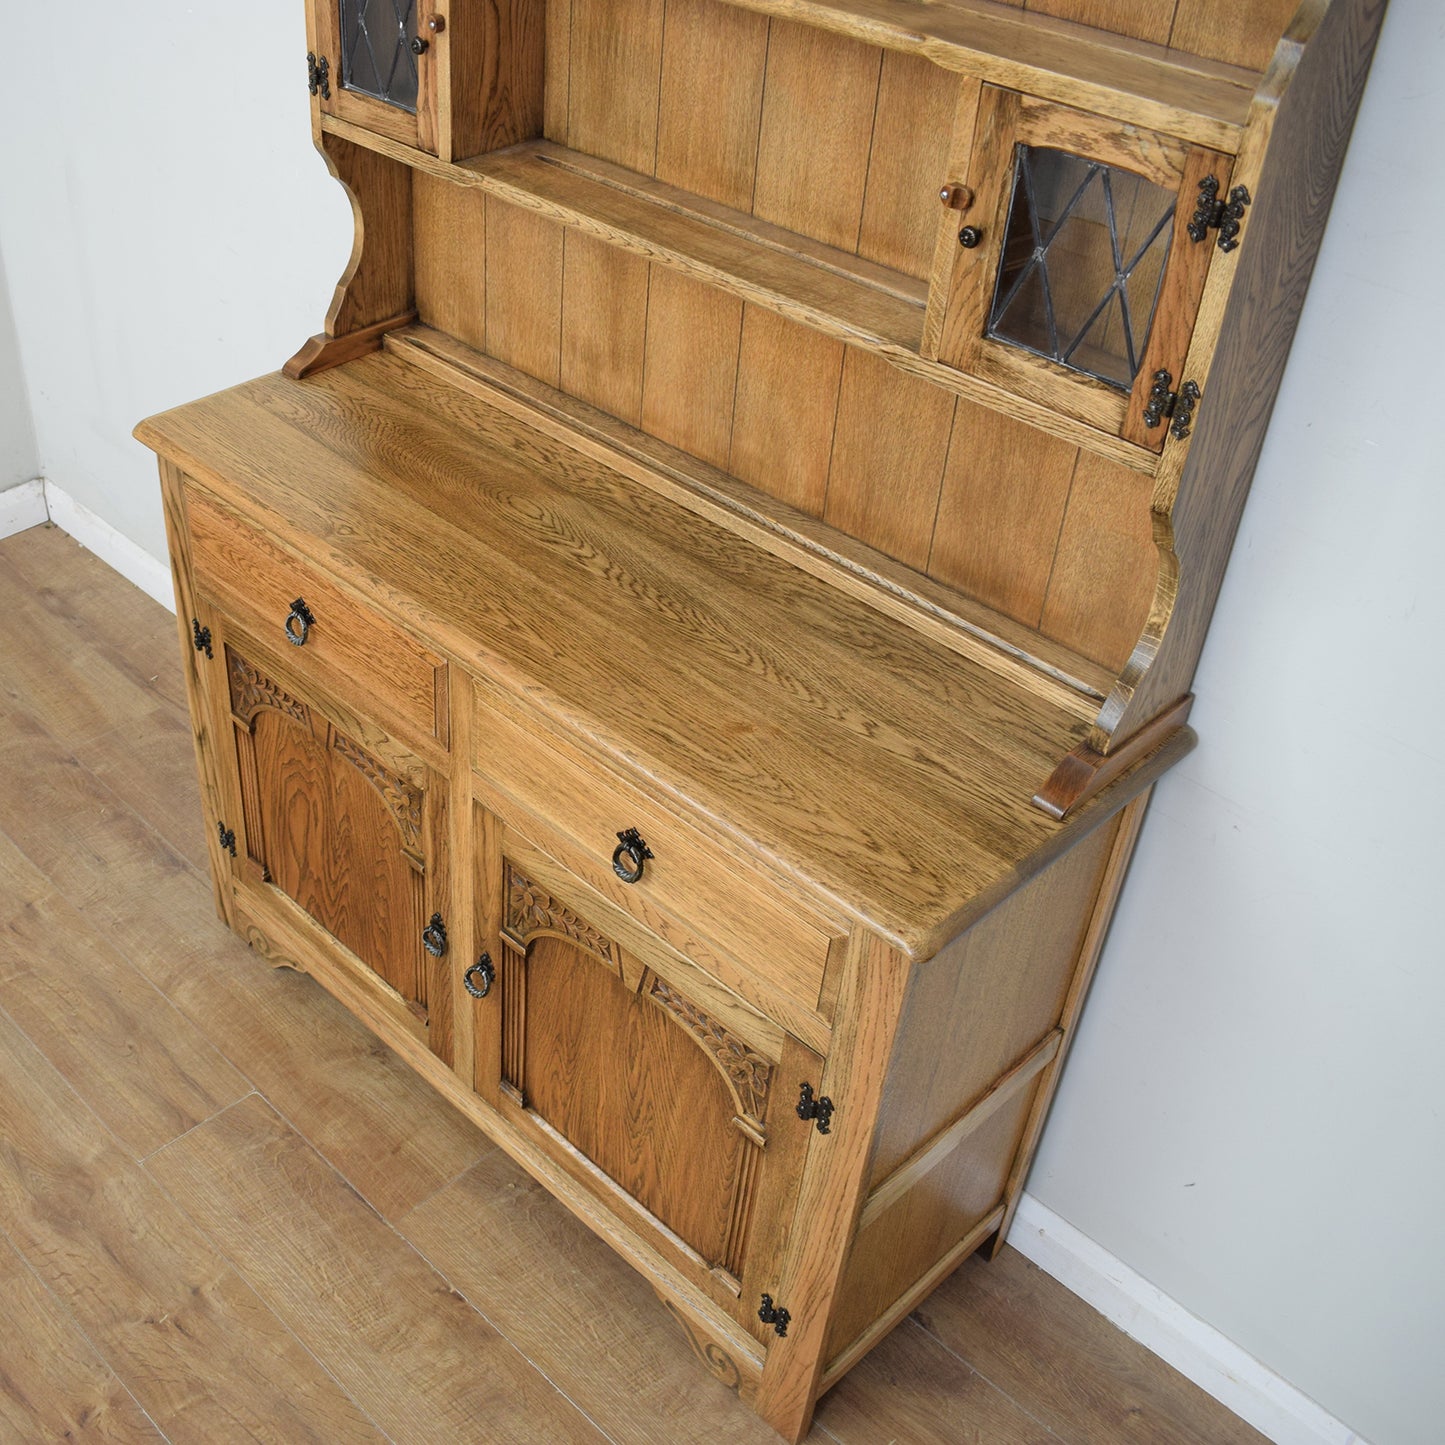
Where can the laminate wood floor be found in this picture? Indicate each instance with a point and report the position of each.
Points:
(227, 1212)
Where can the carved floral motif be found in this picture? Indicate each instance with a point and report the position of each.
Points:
(531, 910)
(748, 1074)
(252, 690)
(402, 800)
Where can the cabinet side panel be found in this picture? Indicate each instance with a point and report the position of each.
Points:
(901, 1245)
(493, 94)
(981, 1003)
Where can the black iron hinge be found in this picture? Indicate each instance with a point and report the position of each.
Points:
(1177, 404)
(820, 1110)
(318, 75)
(1213, 214)
(770, 1314)
(201, 637)
(228, 838)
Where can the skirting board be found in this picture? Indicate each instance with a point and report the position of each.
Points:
(1197, 1350)
(31, 503)
(22, 507)
(1161, 1324)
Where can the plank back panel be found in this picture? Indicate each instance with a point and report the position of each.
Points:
(787, 399)
(604, 311)
(1104, 572)
(694, 334)
(812, 160)
(1138, 19)
(908, 163)
(1239, 34)
(883, 485)
(524, 290)
(614, 72)
(713, 57)
(1005, 487)
(450, 245)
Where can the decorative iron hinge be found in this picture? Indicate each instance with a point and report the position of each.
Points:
(201, 637)
(228, 838)
(820, 1110)
(1177, 404)
(1212, 214)
(770, 1315)
(318, 75)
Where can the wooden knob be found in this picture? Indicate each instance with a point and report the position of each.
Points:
(436, 24)
(956, 197)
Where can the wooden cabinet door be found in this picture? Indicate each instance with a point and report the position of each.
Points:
(1083, 278)
(661, 1094)
(345, 824)
(374, 76)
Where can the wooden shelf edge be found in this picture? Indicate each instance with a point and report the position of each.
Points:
(1048, 669)
(322, 352)
(1202, 101)
(1083, 772)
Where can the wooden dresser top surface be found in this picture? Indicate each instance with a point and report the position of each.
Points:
(884, 771)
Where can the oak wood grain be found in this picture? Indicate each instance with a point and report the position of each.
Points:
(604, 325)
(1242, 35)
(451, 258)
(524, 290)
(614, 69)
(694, 336)
(812, 164)
(710, 108)
(884, 481)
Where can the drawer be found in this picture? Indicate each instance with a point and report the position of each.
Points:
(355, 651)
(765, 928)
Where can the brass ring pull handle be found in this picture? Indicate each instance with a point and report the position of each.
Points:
(485, 974)
(299, 623)
(630, 856)
(434, 936)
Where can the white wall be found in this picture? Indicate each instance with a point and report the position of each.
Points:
(167, 226)
(1252, 1116)
(19, 460)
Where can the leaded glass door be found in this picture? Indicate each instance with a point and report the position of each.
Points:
(1082, 282)
(380, 56)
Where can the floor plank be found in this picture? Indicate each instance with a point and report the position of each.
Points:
(416, 1355)
(494, 1228)
(1091, 1383)
(194, 1345)
(144, 1069)
(53, 1385)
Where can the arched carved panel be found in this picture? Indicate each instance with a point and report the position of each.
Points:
(403, 801)
(531, 910)
(251, 690)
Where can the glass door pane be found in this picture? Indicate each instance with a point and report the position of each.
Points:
(376, 53)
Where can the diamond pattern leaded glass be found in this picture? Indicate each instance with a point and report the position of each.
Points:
(376, 56)
(1083, 261)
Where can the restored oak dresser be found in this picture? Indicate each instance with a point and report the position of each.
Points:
(684, 655)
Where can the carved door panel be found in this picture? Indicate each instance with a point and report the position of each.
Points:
(347, 825)
(667, 1112)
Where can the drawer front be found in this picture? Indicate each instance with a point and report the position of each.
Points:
(770, 934)
(358, 652)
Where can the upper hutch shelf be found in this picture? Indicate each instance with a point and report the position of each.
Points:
(1200, 100)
